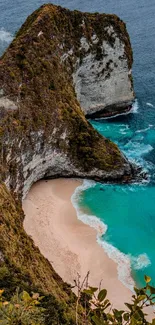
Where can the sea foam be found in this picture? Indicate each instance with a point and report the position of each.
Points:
(124, 262)
(149, 104)
(145, 130)
(135, 107)
(90, 220)
(141, 261)
(5, 36)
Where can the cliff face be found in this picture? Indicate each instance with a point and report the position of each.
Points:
(22, 266)
(56, 55)
(43, 130)
(102, 77)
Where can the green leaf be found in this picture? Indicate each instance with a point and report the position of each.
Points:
(147, 279)
(137, 316)
(152, 290)
(142, 297)
(102, 294)
(126, 317)
(136, 290)
(25, 296)
(107, 305)
(129, 306)
(110, 317)
(106, 302)
(93, 289)
(10, 307)
(118, 314)
(88, 292)
(97, 320)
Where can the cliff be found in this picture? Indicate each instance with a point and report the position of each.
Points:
(43, 130)
(44, 74)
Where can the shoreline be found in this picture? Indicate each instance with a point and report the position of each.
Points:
(69, 244)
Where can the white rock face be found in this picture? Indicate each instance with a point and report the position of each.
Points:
(38, 159)
(103, 81)
(7, 103)
(52, 163)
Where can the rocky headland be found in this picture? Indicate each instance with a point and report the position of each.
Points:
(61, 66)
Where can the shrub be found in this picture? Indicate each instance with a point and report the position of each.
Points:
(22, 309)
(98, 309)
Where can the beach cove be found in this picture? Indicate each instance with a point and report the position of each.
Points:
(69, 244)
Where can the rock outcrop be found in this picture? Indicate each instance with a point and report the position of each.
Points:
(58, 59)
(102, 77)
(43, 130)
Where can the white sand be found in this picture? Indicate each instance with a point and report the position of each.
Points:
(69, 245)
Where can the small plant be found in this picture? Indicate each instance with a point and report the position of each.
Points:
(98, 309)
(22, 309)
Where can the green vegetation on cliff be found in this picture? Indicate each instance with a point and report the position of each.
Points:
(40, 118)
(34, 76)
(31, 309)
(22, 265)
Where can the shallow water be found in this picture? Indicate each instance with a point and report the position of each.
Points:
(128, 211)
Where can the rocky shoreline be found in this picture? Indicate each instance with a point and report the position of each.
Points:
(110, 111)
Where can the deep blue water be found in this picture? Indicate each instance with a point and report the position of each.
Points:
(128, 211)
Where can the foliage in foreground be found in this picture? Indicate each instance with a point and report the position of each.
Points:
(25, 309)
(99, 311)
(22, 309)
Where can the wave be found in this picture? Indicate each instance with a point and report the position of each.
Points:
(144, 130)
(136, 150)
(149, 104)
(135, 107)
(90, 220)
(141, 261)
(124, 262)
(5, 36)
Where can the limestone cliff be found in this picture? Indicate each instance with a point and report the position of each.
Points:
(43, 131)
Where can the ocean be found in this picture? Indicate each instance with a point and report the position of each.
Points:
(126, 213)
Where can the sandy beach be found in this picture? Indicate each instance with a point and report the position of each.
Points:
(69, 244)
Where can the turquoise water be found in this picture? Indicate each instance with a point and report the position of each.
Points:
(128, 211)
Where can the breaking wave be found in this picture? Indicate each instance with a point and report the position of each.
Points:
(135, 107)
(5, 36)
(124, 262)
(149, 104)
(144, 130)
(90, 220)
(140, 262)
(136, 149)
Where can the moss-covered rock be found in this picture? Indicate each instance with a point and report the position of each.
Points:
(22, 265)
(42, 121)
